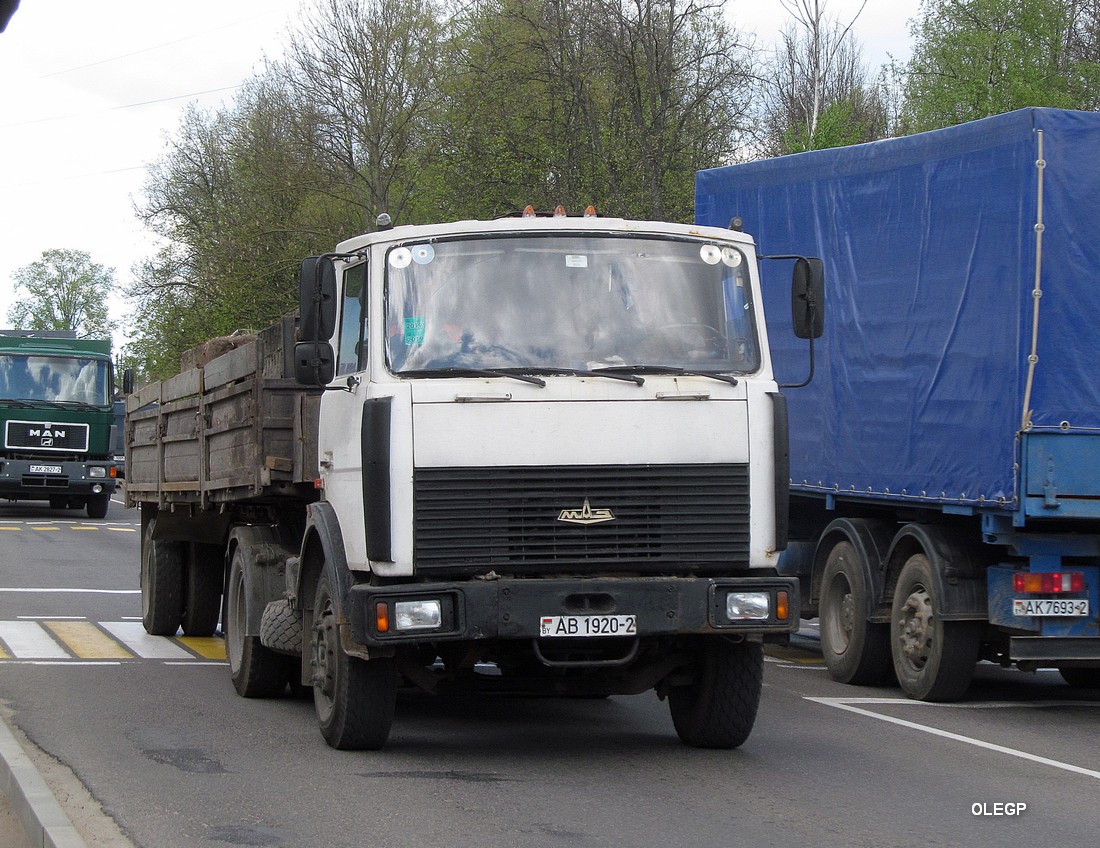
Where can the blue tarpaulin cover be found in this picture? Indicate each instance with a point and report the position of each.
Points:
(930, 247)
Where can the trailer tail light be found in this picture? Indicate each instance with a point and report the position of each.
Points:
(1051, 582)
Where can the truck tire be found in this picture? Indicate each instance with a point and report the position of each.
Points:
(718, 709)
(202, 590)
(255, 671)
(934, 659)
(97, 505)
(161, 584)
(354, 698)
(855, 650)
(1080, 678)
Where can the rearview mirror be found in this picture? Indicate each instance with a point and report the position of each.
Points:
(317, 299)
(314, 363)
(808, 298)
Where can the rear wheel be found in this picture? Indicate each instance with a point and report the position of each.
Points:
(161, 584)
(256, 671)
(354, 698)
(718, 708)
(855, 650)
(202, 590)
(934, 659)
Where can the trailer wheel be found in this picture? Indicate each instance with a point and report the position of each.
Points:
(161, 584)
(202, 590)
(354, 698)
(256, 672)
(934, 659)
(718, 709)
(855, 650)
(1080, 678)
(97, 505)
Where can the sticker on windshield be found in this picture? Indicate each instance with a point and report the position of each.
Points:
(573, 260)
(422, 254)
(711, 254)
(414, 330)
(400, 257)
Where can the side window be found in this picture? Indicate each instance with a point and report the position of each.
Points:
(353, 322)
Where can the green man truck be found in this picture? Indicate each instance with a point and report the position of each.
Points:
(58, 425)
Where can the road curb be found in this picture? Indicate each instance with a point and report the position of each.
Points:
(31, 799)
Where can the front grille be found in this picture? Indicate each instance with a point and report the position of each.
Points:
(43, 481)
(39, 436)
(666, 518)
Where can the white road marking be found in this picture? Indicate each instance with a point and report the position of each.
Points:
(28, 640)
(848, 705)
(132, 634)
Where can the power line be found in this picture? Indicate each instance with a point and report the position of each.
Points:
(117, 108)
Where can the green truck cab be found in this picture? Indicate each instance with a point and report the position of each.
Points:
(57, 420)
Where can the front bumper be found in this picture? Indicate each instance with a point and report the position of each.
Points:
(514, 608)
(23, 479)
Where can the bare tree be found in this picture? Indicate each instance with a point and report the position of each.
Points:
(364, 73)
(817, 90)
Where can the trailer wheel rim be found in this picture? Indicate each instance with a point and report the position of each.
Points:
(916, 626)
(235, 642)
(843, 623)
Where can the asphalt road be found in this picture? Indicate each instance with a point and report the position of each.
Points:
(176, 759)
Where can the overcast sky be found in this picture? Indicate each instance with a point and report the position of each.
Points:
(90, 91)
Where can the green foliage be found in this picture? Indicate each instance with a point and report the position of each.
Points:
(63, 290)
(837, 126)
(976, 58)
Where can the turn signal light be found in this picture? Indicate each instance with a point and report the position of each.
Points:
(781, 610)
(1051, 582)
(382, 617)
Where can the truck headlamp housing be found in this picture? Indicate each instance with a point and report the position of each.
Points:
(748, 606)
(421, 614)
(97, 471)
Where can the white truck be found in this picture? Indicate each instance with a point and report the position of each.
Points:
(540, 455)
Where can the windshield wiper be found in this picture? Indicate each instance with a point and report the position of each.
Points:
(584, 372)
(515, 374)
(668, 369)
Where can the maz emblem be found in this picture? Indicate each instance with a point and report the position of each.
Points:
(586, 515)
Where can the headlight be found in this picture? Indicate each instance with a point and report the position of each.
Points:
(748, 606)
(418, 615)
(97, 471)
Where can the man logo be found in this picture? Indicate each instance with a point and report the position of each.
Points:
(47, 442)
(586, 515)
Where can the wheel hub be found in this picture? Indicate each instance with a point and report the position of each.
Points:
(916, 627)
(324, 656)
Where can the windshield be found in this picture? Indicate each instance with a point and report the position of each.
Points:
(569, 302)
(54, 379)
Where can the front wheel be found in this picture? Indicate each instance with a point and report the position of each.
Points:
(934, 659)
(718, 708)
(97, 505)
(354, 698)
